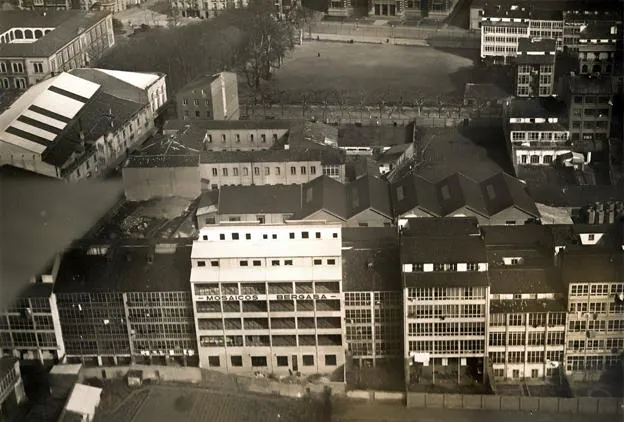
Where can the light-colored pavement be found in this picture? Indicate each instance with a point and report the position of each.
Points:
(362, 412)
(387, 31)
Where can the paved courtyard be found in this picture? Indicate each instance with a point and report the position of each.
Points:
(372, 71)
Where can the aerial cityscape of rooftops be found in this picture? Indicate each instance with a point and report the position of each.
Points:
(330, 210)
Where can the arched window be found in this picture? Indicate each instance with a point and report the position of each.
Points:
(18, 34)
(48, 30)
(38, 33)
(596, 68)
(584, 68)
(28, 34)
(2, 40)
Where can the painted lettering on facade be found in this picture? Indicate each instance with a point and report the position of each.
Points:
(301, 296)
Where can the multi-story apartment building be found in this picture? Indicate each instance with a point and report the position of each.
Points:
(11, 386)
(30, 327)
(35, 45)
(37, 5)
(526, 332)
(372, 294)
(535, 67)
(211, 97)
(597, 47)
(535, 132)
(82, 123)
(205, 9)
(501, 27)
(589, 102)
(595, 283)
(445, 290)
(268, 298)
(123, 303)
(598, 14)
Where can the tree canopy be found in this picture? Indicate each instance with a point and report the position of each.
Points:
(249, 40)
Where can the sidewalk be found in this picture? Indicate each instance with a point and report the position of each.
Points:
(367, 39)
(355, 411)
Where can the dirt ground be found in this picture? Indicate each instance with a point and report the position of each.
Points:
(195, 405)
(373, 71)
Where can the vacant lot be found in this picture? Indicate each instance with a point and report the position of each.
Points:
(167, 404)
(371, 72)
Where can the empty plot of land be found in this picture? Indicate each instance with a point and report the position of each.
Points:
(166, 404)
(369, 71)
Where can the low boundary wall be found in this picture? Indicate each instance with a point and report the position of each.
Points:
(579, 405)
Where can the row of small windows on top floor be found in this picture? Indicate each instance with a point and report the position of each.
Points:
(237, 137)
(265, 262)
(598, 289)
(274, 236)
(267, 171)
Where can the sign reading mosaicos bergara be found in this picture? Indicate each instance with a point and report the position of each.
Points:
(300, 296)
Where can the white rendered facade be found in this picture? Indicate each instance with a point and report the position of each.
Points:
(268, 298)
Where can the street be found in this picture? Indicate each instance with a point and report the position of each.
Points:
(349, 411)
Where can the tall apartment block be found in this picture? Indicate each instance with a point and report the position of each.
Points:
(526, 332)
(126, 303)
(589, 102)
(445, 293)
(535, 132)
(595, 287)
(268, 297)
(535, 65)
(372, 294)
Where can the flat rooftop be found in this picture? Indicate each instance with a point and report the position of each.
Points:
(366, 267)
(134, 267)
(374, 136)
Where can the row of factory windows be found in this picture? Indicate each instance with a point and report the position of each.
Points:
(261, 361)
(303, 170)
(531, 356)
(448, 293)
(447, 346)
(446, 329)
(552, 319)
(532, 339)
(271, 341)
(271, 306)
(380, 316)
(319, 287)
(268, 323)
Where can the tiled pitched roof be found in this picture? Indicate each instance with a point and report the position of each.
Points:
(283, 199)
(68, 24)
(502, 191)
(487, 198)
(324, 193)
(458, 191)
(416, 191)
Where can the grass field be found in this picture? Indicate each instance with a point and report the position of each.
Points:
(373, 71)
